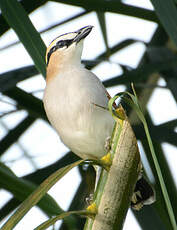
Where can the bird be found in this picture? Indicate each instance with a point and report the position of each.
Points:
(76, 101)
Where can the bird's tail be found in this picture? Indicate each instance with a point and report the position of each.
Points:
(143, 194)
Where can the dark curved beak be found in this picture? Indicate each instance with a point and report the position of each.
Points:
(82, 33)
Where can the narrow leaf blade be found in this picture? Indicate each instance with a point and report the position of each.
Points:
(167, 14)
(18, 19)
(37, 195)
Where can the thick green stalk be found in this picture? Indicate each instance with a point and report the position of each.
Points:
(116, 186)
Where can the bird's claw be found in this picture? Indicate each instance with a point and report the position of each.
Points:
(89, 200)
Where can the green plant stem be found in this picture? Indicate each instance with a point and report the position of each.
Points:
(116, 186)
(161, 180)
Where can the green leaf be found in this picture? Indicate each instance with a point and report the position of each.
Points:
(35, 197)
(13, 134)
(18, 19)
(38, 177)
(167, 14)
(27, 101)
(115, 7)
(145, 217)
(133, 102)
(159, 207)
(53, 26)
(52, 221)
(9, 79)
(29, 7)
(101, 19)
(119, 46)
(142, 72)
(21, 188)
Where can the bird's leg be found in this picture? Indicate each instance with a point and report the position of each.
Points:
(92, 207)
(107, 145)
(89, 199)
(105, 162)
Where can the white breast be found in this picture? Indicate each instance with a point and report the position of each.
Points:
(69, 101)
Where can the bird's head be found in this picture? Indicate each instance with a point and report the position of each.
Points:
(67, 47)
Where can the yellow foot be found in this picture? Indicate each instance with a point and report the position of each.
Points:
(106, 161)
(138, 206)
(134, 201)
(92, 210)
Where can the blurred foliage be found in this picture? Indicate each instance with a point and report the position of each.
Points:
(159, 61)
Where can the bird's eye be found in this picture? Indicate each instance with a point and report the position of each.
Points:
(61, 44)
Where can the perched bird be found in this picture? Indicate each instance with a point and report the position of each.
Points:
(76, 101)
